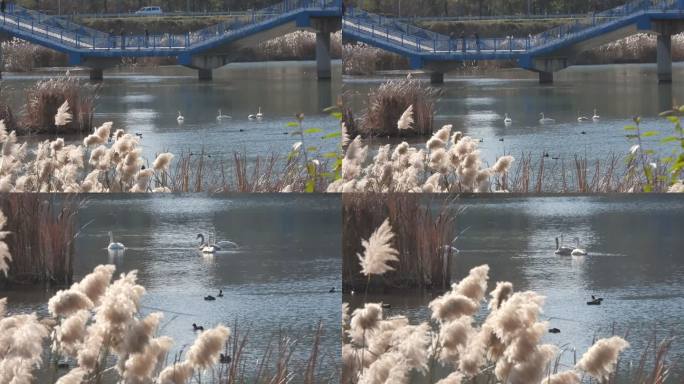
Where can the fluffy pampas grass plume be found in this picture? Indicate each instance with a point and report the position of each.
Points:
(63, 116)
(600, 360)
(406, 120)
(378, 251)
(205, 351)
(5, 256)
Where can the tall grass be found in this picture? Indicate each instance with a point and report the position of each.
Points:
(462, 343)
(96, 328)
(45, 97)
(422, 237)
(41, 238)
(386, 104)
(22, 56)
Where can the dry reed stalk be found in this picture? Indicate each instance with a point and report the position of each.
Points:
(42, 236)
(46, 96)
(421, 235)
(387, 103)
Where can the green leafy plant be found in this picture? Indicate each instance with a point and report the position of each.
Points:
(658, 173)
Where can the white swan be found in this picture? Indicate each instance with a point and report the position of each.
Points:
(209, 247)
(546, 120)
(582, 119)
(114, 246)
(222, 116)
(180, 117)
(561, 249)
(596, 116)
(578, 251)
(508, 120)
(257, 116)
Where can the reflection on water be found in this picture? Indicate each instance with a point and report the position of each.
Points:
(635, 262)
(279, 277)
(476, 105)
(147, 101)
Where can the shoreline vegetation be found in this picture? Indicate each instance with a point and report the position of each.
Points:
(451, 162)
(363, 60)
(460, 344)
(111, 161)
(22, 56)
(95, 332)
(427, 261)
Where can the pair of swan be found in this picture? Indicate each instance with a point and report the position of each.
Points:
(257, 116)
(584, 119)
(211, 248)
(569, 251)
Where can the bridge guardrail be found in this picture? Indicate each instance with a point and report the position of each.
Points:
(421, 40)
(40, 25)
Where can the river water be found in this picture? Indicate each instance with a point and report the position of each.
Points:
(476, 105)
(147, 101)
(635, 263)
(279, 277)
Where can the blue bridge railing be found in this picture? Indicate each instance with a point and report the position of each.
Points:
(63, 32)
(415, 39)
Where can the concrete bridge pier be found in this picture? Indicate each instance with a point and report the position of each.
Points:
(665, 29)
(204, 65)
(323, 61)
(664, 56)
(545, 77)
(96, 74)
(324, 27)
(436, 77)
(96, 66)
(205, 74)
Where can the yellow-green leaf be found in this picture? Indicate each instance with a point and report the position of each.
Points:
(332, 135)
(293, 124)
(650, 133)
(313, 130)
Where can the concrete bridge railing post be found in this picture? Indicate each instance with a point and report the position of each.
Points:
(323, 64)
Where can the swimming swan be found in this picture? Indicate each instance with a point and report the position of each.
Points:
(546, 120)
(596, 116)
(222, 116)
(561, 249)
(180, 117)
(578, 251)
(508, 120)
(582, 119)
(215, 247)
(114, 246)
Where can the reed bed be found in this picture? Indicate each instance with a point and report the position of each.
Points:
(451, 163)
(420, 235)
(44, 99)
(387, 104)
(40, 238)
(22, 56)
(462, 342)
(96, 330)
(297, 45)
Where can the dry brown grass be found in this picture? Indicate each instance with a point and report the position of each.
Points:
(276, 365)
(199, 172)
(608, 175)
(46, 96)
(387, 103)
(41, 240)
(421, 236)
